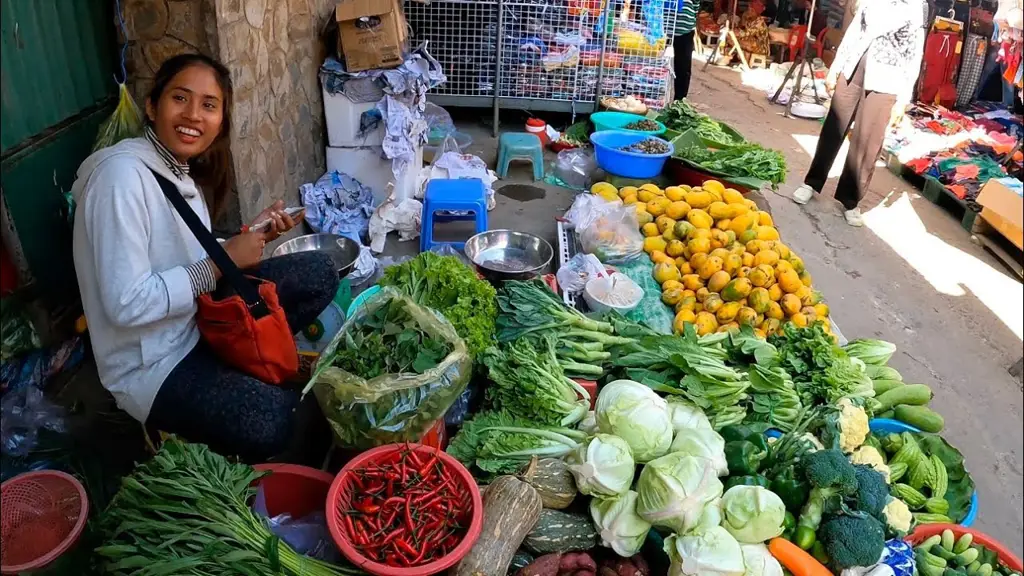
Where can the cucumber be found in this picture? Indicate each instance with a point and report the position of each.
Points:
(890, 414)
(948, 540)
(912, 394)
(883, 386)
(921, 417)
(963, 543)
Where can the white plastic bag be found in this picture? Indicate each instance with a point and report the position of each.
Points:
(614, 236)
(574, 275)
(587, 208)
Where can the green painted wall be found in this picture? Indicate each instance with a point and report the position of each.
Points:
(58, 60)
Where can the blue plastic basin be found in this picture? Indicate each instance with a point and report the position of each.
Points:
(627, 164)
(619, 120)
(890, 426)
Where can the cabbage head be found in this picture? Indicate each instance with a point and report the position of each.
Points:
(602, 466)
(686, 416)
(752, 514)
(713, 552)
(674, 491)
(636, 414)
(759, 561)
(702, 443)
(620, 527)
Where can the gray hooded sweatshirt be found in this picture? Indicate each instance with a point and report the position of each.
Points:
(130, 250)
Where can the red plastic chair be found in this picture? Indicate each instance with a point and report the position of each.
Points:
(797, 36)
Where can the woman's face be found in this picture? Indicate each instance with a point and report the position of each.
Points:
(189, 114)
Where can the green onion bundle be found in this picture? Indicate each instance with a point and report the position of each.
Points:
(186, 512)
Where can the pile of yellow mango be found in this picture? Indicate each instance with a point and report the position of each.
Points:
(719, 260)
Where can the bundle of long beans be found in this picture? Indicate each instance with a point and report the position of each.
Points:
(186, 512)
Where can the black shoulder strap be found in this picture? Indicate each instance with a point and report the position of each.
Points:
(244, 288)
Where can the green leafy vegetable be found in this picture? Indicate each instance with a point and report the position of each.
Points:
(822, 372)
(743, 160)
(681, 116)
(447, 285)
(496, 443)
(389, 341)
(187, 512)
(529, 383)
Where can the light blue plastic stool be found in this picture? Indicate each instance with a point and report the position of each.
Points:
(463, 195)
(520, 146)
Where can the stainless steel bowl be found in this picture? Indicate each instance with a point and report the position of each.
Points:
(342, 250)
(508, 255)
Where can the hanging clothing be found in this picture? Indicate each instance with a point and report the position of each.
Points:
(939, 68)
(974, 57)
(869, 112)
(888, 36)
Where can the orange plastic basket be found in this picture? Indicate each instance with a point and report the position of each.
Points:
(42, 516)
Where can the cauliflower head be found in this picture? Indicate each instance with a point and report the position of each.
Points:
(897, 515)
(853, 425)
(870, 456)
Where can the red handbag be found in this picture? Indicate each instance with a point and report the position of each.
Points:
(248, 330)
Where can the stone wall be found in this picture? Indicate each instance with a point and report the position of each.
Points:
(273, 50)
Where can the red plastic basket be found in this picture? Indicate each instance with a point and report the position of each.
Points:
(42, 516)
(925, 531)
(340, 497)
(292, 489)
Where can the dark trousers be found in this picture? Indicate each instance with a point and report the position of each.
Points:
(682, 63)
(204, 400)
(869, 112)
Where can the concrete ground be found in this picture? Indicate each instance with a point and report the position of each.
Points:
(911, 276)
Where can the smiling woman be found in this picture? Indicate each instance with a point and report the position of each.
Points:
(143, 272)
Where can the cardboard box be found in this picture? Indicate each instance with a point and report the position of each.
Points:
(1003, 209)
(371, 33)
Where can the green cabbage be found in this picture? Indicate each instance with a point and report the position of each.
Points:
(636, 414)
(713, 552)
(752, 514)
(620, 527)
(602, 466)
(686, 416)
(702, 443)
(759, 561)
(674, 491)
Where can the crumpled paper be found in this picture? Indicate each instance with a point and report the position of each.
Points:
(338, 204)
(406, 131)
(452, 165)
(394, 215)
(364, 267)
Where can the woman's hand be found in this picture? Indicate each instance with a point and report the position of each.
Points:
(280, 221)
(830, 82)
(898, 111)
(246, 249)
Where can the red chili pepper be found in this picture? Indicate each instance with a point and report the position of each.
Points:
(415, 458)
(408, 513)
(368, 508)
(405, 548)
(403, 472)
(394, 534)
(349, 527)
(391, 559)
(425, 468)
(391, 488)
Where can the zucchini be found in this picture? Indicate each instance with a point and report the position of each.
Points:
(921, 417)
(882, 386)
(912, 394)
(557, 531)
(552, 480)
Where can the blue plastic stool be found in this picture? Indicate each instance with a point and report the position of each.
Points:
(520, 146)
(463, 195)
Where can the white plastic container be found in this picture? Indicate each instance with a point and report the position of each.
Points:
(628, 293)
(368, 165)
(343, 116)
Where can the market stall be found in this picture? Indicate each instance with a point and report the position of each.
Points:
(674, 399)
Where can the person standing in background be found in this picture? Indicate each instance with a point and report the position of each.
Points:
(872, 80)
(682, 45)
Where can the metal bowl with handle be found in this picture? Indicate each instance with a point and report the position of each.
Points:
(343, 251)
(508, 255)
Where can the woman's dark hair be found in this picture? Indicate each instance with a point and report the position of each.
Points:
(214, 169)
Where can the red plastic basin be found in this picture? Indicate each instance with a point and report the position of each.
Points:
(925, 531)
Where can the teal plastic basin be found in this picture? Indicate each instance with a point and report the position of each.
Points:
(618, 121)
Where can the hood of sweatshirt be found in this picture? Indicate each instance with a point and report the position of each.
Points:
(138, 148)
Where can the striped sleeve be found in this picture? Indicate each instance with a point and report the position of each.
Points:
(200, 275)
(686, 18)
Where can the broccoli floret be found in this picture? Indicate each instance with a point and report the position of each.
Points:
(831, 469)
(853, 540)
(832, 477)
(872, 492)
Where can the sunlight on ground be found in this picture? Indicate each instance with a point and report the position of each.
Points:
(950, 270)
(810, 141)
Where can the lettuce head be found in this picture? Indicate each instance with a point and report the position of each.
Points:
(752, 514)
(602, 466)
(636, 414)
(674, 491)
(712, 552)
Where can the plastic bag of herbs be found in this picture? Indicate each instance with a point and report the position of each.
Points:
(390, 373)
